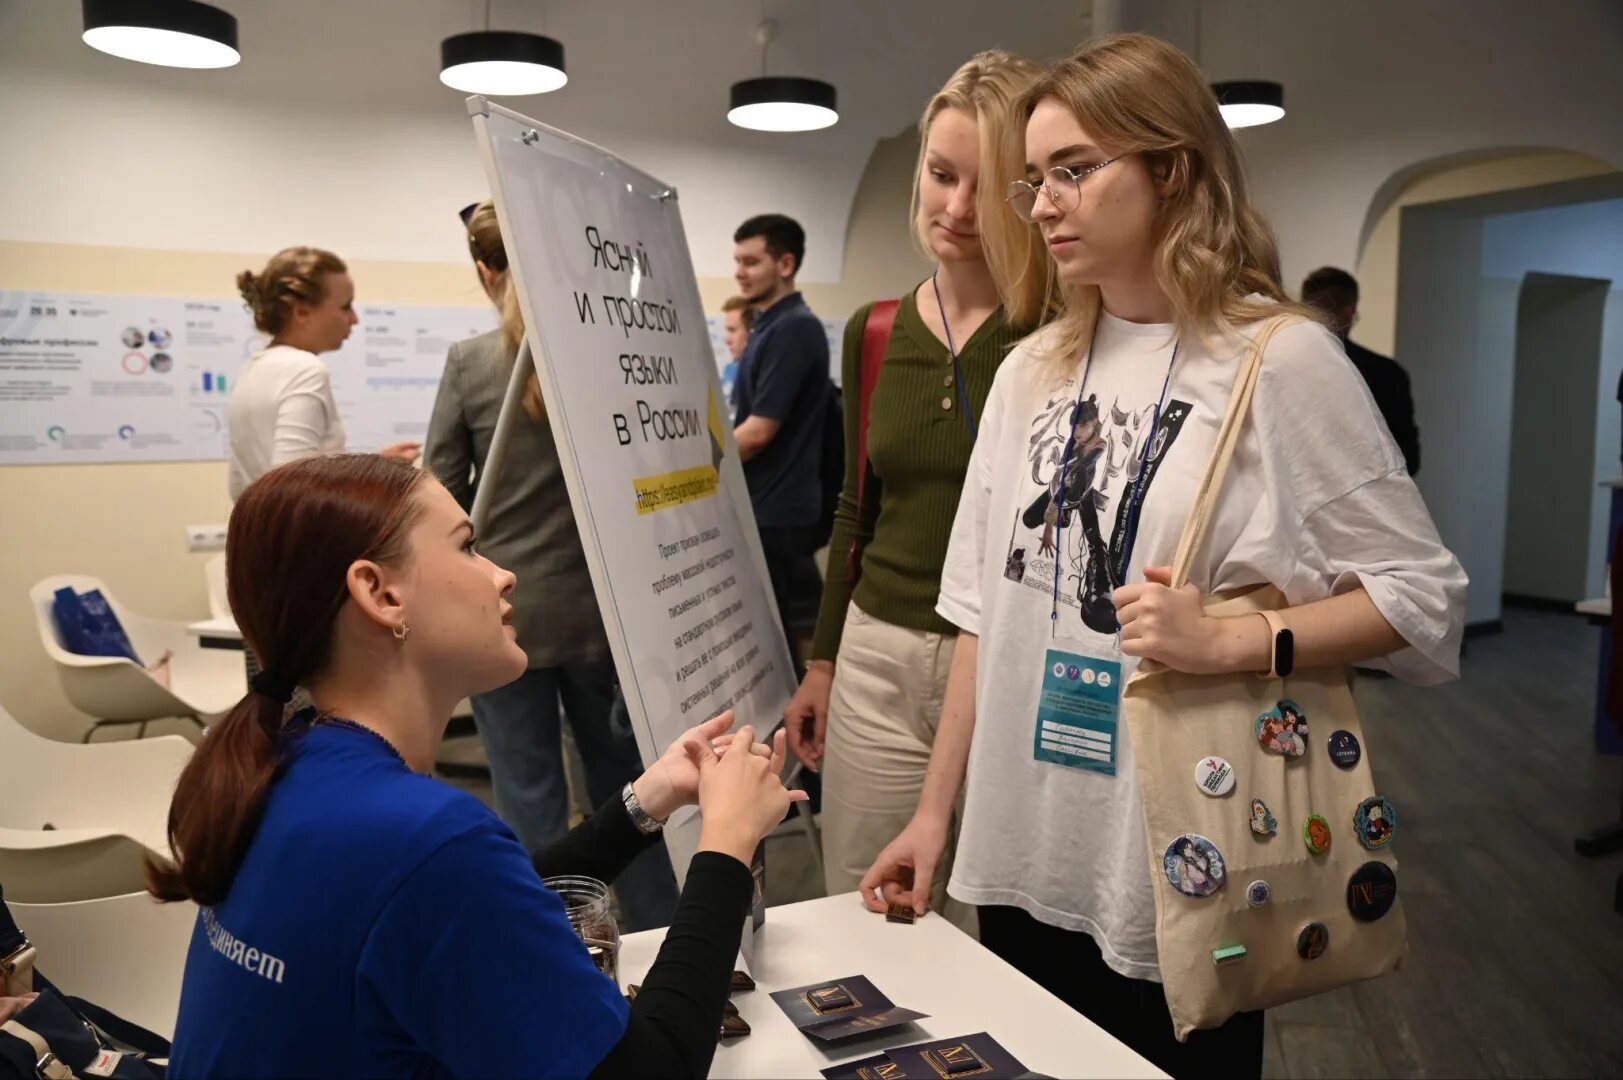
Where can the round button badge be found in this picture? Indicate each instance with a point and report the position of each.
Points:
(1258, 893)
(1312, 940)
(1344, 749)
(1374, 822)
(1282, 730)
(1194, 866)
(1371, 891)
(1316, 834)
(1214, 776)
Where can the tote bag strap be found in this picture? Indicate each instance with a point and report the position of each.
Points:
(1228, 437)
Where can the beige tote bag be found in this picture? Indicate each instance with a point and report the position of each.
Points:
(1327, 919)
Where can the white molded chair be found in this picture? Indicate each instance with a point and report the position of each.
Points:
(122, 786)
(204, 683)
(125, 953)
(53, 866)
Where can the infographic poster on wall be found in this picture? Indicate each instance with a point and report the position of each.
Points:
(106, 378)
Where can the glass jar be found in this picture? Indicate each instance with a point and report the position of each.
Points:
(586, 902)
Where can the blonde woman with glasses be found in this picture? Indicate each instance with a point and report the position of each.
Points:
(1094, 440)
(865, 714)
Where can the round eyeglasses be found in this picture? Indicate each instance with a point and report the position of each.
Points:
(1062, 184)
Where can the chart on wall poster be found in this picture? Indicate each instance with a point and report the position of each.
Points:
(632, 391)
(99, 378)
(87, 377)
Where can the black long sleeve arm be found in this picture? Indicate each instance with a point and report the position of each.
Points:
(600, 847)
(677, 1015)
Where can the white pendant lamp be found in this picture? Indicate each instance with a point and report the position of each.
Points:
(170, 33)
(502, 63)
(1250, 103)
(780, 102)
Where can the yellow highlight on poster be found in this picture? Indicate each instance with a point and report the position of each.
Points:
(675, 488)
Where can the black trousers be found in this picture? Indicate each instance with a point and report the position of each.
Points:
(1068, 965)
(787, 552)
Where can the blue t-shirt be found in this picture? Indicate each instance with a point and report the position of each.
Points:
(386, 924)
(783, 376)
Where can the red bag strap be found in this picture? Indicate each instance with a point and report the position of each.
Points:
(875, 342)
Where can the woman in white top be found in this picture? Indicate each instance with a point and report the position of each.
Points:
(1094, 438)
(282, 406)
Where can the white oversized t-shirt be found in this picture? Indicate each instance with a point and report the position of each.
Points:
(1316, 502)
(282, 409)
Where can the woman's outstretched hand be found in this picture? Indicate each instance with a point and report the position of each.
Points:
(740, 793)
(672, 782)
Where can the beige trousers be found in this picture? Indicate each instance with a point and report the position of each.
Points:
(882, 716)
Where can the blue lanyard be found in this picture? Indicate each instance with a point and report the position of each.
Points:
(952, 351)
(1135, 496)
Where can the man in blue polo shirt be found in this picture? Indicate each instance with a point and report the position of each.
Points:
(782, 395)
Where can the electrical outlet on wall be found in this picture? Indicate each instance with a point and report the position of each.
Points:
(205, 538)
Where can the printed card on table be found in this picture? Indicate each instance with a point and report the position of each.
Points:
(841, 1008)
(977, 1055)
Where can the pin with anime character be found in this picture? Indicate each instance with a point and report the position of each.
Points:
(1262, 819)
(1194, 866)
(1375, 821)
(1282, 730)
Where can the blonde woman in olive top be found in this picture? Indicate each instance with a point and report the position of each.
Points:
(866, 712)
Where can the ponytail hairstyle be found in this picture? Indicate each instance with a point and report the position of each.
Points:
(293, 536)
(990, 86)
(486, 247)
(1215, 257)
(293, 275)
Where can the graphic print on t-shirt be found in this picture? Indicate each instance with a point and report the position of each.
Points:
(1060, 528)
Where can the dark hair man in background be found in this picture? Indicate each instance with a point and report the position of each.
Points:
(1335, 292)
(782, 397)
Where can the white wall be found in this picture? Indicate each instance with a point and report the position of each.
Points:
(1552, 435)
(1447, 329)
(335, 131)
(1461, 266)
(1371, 88)
(1583, 240)
(1438, 181)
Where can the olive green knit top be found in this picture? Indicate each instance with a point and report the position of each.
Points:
(918, 447)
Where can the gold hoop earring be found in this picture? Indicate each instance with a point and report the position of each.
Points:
(400, 633)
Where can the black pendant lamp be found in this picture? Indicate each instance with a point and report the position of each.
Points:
(171, 33)
(781, 102)
(502, 63)
(1249, 103)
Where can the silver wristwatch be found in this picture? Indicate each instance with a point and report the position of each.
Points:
(639, 817)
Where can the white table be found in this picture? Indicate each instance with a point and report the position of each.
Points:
(931, 967)
(220, 633)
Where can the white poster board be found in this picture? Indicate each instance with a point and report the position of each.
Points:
(112, 378)
(624, 358)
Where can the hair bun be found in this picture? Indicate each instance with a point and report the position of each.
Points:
(248, 286)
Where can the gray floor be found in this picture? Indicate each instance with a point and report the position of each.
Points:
(1516, 957)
